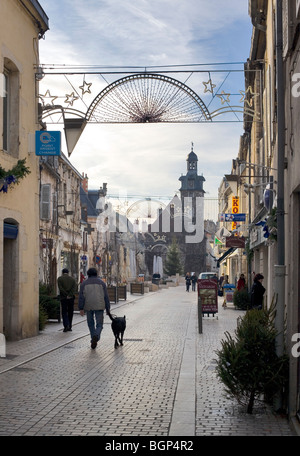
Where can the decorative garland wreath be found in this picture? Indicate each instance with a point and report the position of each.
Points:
(13, 176)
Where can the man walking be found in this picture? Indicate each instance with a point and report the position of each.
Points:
(93, 299)
(67, 287)
(194, 281)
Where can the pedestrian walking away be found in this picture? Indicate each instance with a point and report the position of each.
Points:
(188, 281)
(67, 288)
(257, 292)
(194, 281)
(93, 299)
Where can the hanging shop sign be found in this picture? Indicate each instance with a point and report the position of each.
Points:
(235, 241)
(235, 210)
(232, 217)
(47, 143)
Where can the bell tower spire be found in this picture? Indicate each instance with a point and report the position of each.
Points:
(192, 160)
(191, 183)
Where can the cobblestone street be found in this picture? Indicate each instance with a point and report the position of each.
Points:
(162, 382)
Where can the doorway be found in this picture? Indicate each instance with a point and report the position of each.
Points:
(10, 280)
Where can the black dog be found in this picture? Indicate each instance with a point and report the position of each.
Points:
(118, 327)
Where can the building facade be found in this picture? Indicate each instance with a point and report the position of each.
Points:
(291, 75)
(61, 230)
(22, 24)
(113, 247)
(266, 172)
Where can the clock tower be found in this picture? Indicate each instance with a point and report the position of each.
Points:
(191, 183)
(190, 192)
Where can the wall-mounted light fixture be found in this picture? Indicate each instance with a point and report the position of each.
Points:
(254, 165)
(251, 187)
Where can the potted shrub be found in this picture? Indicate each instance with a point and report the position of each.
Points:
(49, 303)
(241, 299)
(248, 365)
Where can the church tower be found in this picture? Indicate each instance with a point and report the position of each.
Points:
(192, 188)
(191, 183)
(175, 222)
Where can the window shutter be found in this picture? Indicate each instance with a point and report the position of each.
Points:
(45, 201)
(285, 28)
(54, 208)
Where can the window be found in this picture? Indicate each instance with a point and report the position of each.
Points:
(45, 202)
(5, 111)
(10, 108)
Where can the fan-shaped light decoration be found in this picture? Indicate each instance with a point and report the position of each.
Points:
(142, 98)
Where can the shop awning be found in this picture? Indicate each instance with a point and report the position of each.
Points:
(225, 255)
(10, 231)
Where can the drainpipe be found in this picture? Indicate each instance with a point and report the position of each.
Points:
(279, 268)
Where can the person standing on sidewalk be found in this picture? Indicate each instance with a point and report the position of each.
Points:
(188, 281)
(257, 292)
(67, 287)
(241, 283)
(93, 299)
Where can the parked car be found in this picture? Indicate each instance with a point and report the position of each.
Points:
(208, 275)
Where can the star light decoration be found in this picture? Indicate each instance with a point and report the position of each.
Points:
(71, 98)
(46, 97)
(224, 97)
(212, 86)
(252, 95)
(85, 87)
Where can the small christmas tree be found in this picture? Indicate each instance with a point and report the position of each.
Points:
(249, 366)
(173, 263)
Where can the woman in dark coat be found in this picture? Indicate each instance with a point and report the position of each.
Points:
(241, 282)
(257, 292)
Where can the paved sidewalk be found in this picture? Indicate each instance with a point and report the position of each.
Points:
(162, 382)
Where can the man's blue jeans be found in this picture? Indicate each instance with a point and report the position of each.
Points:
(94, 320)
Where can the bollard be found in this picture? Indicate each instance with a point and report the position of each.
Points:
(2, 346)
(199, 315)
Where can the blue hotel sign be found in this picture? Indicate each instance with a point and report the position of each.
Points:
(47, 142)
(232, 217)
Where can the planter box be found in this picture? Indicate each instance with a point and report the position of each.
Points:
(112, 294)
(51, 306)
(137, 288)
(122, 292)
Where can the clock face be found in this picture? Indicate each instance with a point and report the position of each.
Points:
(191, 184)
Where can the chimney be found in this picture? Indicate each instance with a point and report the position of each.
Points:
(102, 191)
(85, 183)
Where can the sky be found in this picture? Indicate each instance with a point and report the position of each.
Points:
(191, 41)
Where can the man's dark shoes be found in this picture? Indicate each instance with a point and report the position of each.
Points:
(65, 330)
(94, 341)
